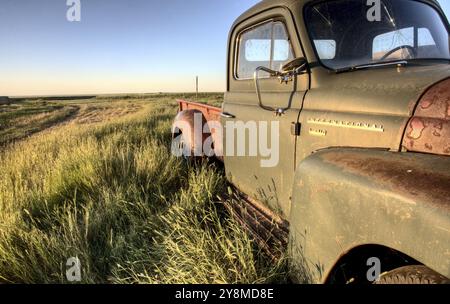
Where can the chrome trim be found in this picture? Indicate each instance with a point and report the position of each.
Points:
(227, 115)
(347, 124)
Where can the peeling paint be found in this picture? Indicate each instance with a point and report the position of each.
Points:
(429, 130)
(411, 176)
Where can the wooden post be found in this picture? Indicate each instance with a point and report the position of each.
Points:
(196, 87)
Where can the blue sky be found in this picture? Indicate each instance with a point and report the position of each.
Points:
(119, 45)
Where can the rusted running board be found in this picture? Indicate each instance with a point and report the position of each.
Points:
(270, 231)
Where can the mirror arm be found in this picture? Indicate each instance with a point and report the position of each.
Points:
(281, 111)
(284, 77)
(289, 76)
(258, 91)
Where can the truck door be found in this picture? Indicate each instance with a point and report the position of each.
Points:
(268, 40)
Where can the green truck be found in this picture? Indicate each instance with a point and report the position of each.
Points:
(354, 100)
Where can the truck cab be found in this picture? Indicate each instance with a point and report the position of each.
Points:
(359, 95)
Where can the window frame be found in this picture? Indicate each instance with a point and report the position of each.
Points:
(252, 27)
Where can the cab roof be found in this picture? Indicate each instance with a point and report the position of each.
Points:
(265, 5)
(268, 4)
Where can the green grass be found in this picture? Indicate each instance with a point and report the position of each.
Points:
(103, 187)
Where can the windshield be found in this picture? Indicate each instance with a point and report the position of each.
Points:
(352, 32)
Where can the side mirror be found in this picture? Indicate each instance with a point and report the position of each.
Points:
(298, 65)
(288, 73)
(291, 69)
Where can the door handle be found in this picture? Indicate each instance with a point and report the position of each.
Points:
(227, 115)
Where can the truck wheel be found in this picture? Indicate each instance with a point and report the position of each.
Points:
(415, 274)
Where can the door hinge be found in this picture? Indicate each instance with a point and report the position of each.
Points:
(296, 128)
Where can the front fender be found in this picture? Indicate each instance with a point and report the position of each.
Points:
(344, 198)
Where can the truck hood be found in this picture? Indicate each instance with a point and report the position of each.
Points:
(421, 93)
(391, 99)
(387, 90)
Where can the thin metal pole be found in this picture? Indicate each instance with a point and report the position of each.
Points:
(196, 86)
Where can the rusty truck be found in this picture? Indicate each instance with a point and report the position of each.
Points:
(360, 92)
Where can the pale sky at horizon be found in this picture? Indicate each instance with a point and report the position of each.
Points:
(120, 46)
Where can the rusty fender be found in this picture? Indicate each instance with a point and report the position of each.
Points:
(428, 130)
(344, 198)
(184, 123)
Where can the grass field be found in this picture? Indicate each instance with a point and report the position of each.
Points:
(95, 179)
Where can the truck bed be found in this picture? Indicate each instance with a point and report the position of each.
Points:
(211, 113)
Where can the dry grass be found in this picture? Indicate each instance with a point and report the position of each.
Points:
(103, 187)
(20, 120)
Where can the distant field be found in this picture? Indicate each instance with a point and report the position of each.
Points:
(95, 179)
(25, 117)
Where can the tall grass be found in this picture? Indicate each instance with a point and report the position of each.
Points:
(111, 194)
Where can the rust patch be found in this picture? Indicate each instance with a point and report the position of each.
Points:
(426, 104)
(402, 173)
(417, 127)
(436, 101)
(429, 135)
(429, 130)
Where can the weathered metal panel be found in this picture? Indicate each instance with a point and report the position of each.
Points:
(429, 130)
(345, 198)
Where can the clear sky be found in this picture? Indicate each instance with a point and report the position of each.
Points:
(120, 46)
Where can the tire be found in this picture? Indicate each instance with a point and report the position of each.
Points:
(415, 274)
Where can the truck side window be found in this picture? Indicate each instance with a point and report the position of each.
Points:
(266, 45)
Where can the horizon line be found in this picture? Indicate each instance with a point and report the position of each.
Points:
(87, 95)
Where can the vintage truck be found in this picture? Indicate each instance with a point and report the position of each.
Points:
(360, 91)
